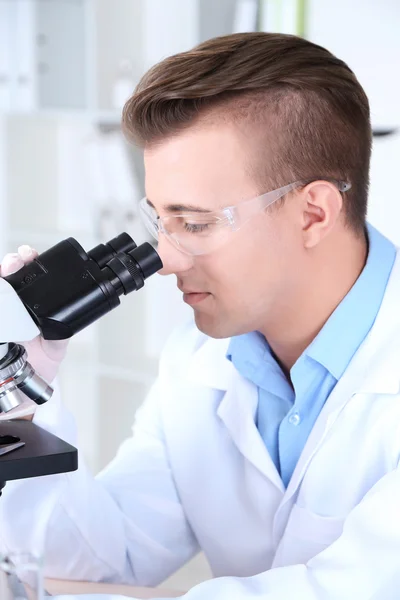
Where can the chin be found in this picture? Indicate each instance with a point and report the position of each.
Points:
(214, 327)
(210, 325)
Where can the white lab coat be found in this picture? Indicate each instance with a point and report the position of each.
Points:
(196, 474)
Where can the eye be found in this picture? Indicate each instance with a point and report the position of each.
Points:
(196, 227)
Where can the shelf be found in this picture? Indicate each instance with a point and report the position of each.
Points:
(106, 118)
(46, 238)
(379, 132)
(120, 373)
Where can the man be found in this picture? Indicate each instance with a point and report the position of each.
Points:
(271, 439)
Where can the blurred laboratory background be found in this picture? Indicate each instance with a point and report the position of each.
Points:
(66, 69)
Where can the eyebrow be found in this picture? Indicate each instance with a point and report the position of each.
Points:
(180, 208)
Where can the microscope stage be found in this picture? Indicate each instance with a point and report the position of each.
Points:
(42, 454)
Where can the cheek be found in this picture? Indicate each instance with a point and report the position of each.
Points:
(259, 261)
(262, 256)
(237, 268)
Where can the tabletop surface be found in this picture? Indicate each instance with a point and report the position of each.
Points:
(58, 587)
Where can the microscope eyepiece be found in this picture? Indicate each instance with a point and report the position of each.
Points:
(103, 253)
(122, 243)
(147, 259)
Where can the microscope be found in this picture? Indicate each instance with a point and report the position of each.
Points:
(62, 291)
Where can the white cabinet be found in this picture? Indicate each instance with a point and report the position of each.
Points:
(60, 41)
(69, 53)
(45, 54)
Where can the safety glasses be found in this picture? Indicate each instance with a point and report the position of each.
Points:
(197, 233)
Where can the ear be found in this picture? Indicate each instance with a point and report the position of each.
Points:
(321, 209)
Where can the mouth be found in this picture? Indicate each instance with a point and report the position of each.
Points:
(192, 297)
(195, 297)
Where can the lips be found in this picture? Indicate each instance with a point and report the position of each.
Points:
(192, 297)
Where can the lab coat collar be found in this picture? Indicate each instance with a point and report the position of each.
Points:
(209, 365)
(381, 348)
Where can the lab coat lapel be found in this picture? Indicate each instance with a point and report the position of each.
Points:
(210, 367)
(237, 411)
(373, 370)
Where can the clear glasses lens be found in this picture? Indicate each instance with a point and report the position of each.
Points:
(149, 218)
(192, 233)
(197, 234)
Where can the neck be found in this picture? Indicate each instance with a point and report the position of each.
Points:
(328, 276)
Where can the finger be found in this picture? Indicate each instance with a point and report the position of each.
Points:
(27, 253)
(10, 264)
(23, 411)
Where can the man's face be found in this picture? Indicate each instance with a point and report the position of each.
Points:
(238, 287)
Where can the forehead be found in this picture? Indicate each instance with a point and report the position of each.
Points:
(209, 166)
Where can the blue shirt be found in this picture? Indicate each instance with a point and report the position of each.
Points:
(285, 414)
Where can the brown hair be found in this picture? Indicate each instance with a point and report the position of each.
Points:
(313, 110)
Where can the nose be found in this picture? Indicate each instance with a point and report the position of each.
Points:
(173, 260)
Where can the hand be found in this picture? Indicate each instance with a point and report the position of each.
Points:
(45, 356)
